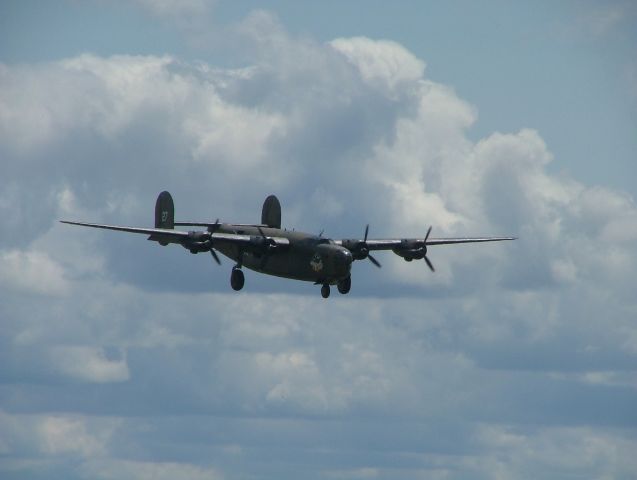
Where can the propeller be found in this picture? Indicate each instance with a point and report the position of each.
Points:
(362, 250)
(215, 256)
(429, 264)
(212, 229)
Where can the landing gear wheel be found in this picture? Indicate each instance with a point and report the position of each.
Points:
(344, 285)
(325, 291)
(237, 279)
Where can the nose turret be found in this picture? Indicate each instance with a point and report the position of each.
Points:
(348, 256)
(336, 260)
(344, 259)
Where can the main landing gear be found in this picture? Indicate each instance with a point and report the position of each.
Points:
(343, 286)
(237, 279)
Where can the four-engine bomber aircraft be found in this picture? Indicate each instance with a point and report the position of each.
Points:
(267, 248)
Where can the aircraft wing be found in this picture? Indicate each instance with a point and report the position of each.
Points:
(407, 248)
(391, 244)
(250, 242)
(400, 243)
(159, 232)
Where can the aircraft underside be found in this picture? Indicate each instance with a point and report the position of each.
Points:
(301, 266)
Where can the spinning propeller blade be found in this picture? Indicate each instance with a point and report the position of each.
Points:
(427, 261)
(374, 261)
(212, 229)
(431, 267)
(371, 259)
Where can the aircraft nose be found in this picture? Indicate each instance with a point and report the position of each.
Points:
(347, 258)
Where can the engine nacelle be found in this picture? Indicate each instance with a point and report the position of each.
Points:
(264, 244)
(197, 242)
(411, 250)
(196, 247)
(359, 249)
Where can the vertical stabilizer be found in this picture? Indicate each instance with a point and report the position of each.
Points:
(271, 212)
(165, 211)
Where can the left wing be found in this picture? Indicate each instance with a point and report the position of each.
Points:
(407, 248)
(391, 244)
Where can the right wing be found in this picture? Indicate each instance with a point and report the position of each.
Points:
(162, 235)
(195, 239)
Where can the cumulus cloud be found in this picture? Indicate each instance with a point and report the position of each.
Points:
(382, 62)
(31, 271)
(114, 469)
(89, 364)
(63, 435)
(493, 353)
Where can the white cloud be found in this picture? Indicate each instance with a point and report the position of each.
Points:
(116, 469)
(29, 435)
(531, 334)
(560, 450)
(59, 435)
(32, 271)
(89, 364)
(381, 61)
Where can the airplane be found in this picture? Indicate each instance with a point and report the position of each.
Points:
(267, 248)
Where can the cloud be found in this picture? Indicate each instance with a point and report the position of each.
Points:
(63, 435)
(114, 469)
(32, 271)
(585, 451)
(89, 364)
(471, 372)
(382, 62)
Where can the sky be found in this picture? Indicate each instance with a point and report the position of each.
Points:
(123, 359)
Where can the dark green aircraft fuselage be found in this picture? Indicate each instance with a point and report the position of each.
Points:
(308, 257)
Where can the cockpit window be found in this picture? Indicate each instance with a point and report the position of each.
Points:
(323, 241)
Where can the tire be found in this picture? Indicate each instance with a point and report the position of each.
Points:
(237, 279)
(345, 285)
(325, 291)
